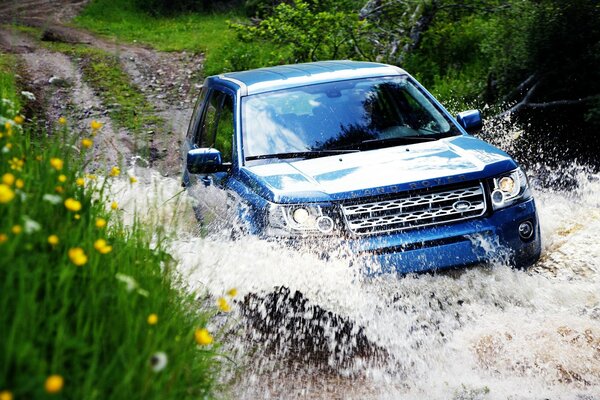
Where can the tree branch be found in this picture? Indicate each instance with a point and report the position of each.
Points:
(521, 86)
(547, 104)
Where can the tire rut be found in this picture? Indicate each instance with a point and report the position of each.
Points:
(169, 81)
(59, 87)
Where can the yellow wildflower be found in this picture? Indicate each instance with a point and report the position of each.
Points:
(8, 128)
(53, 240)
(19, 120)
(6, 395)
(114, 205)
(77, 256)
(100, 223)
(77, 216)
(54, 384)
(6, 193)
(232, 292)
(132, 179)
(72, 204)
(223, 304)
(102, 247)
(87, 143)
(3, 238)
(56, 163)
(59, 189)
(16, 163)
(114, 171)
(8, 179)
(152, 319)
(96, 125)
(91, 177)
(62, 121)
(17, 229)
(203, 337)
(8, 146)
(62, 178)
(79, 181)
(19, 183)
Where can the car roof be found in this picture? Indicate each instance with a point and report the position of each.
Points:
(288, 76)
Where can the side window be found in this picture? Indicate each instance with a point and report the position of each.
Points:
(224, 136)
(216, 129)
(195, 120)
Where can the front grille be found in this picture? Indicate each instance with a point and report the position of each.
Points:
(415, 210)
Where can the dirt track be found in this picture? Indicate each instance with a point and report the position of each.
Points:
(169, 81)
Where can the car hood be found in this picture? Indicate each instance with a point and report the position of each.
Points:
(381, 171)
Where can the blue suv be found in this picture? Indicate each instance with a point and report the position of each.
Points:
(359, 154)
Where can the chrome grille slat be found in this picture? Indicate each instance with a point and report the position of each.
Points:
(413, 211)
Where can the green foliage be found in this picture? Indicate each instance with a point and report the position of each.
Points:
(8, 88)
(241, 56)
(87, 323)
(298, 32)
(449, 60)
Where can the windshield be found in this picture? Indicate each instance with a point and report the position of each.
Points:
(337, 117)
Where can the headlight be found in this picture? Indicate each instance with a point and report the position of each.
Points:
(509, 188)
(298, 220)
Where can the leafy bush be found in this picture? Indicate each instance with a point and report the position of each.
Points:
(241, 56)
(295, 33)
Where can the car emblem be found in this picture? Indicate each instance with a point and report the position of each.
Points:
(461, 205)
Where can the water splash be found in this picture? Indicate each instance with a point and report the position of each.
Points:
(488, 332)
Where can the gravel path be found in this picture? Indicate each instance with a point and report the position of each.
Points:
(169, 81)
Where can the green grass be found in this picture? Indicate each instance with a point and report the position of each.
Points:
(82, 322)
(189, 32)
(8, 90)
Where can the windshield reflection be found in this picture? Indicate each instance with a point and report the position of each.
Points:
(377, 112)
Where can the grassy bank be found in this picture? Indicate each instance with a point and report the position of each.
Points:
(88, 307)
(189, 32)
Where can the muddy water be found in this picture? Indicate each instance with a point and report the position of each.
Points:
(487, 332)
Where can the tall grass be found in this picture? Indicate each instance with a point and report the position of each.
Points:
(87, 310)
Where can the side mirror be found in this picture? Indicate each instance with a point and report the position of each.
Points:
(205, 161)
(470, 120)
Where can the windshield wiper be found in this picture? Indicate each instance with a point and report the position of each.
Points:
(377, 143)
(301, 154)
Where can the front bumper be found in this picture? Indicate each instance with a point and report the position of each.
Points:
(480, 240)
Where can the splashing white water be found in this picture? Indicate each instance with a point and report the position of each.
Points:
(478, 333)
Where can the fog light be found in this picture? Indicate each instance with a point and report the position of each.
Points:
(526, 230)
(497, 197)
(300, 215)
(325, 224)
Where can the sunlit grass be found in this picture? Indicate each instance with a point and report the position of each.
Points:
(88, 306)
(189, 32)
